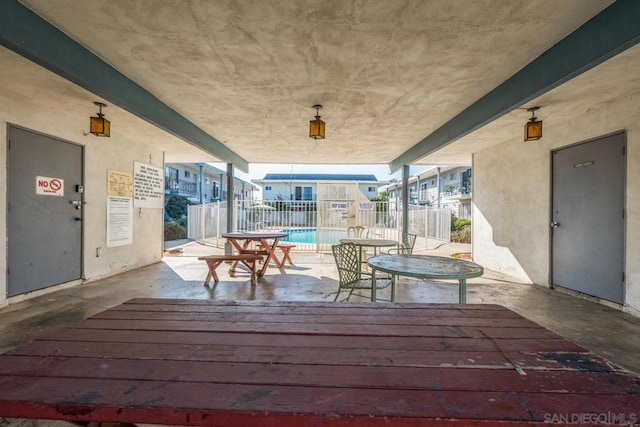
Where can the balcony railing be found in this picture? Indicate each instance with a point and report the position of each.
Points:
(181, 188)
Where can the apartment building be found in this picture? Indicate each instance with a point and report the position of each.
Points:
(203, 183)
(442, 186)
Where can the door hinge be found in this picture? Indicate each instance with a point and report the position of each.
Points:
(623, 277)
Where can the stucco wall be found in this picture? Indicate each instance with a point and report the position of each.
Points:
(101, 154)
(512, 188)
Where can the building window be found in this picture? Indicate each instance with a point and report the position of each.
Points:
(304, 193)
(267, 188)
(187, 174)
(371, 189)
(433, 182)
(171, 173)
(206, 179)
(452, 177)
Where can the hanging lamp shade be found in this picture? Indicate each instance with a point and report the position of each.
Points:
(99, 126)
(316, 126)
(533, 128)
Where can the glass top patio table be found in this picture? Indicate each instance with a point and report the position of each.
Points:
(426, 267)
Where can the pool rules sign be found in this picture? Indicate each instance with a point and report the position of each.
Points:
(148, 186)
(48, 186)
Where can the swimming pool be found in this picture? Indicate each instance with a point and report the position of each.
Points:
(310, 235)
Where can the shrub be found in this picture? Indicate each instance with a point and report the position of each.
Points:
(460, 229)
(176, 207)
(173, 231)
(462, 235)
(460, 223)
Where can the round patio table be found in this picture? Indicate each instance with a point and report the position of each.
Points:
(369, 243)
(425, 267)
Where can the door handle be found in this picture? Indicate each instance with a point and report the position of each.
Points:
(77, 203)
(555, 224)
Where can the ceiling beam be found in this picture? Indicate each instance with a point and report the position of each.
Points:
(27, 34)
(612, 31)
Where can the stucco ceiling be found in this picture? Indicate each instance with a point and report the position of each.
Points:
(388, 73)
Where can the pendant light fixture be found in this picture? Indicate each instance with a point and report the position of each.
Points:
(533, 128)
(99, 126)
(316, 126)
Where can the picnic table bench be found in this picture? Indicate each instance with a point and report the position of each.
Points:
(285, 248)
(248, 259)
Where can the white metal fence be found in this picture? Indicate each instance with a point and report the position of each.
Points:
(316, 225)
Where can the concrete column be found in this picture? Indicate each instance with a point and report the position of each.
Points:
(405, 199)
(438, 185)
(228, 249)
(201, 184)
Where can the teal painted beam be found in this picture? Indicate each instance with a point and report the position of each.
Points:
(612, 31)
(27, 34)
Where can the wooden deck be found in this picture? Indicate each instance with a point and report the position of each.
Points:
(196, 362)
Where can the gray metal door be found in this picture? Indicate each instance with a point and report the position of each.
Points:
(588, 218)
(44, 211)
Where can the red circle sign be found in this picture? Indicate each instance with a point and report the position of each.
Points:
(55, 184)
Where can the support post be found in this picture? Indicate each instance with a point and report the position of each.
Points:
(228, 249)
(202, 209)
(405, 200)
(438, 185)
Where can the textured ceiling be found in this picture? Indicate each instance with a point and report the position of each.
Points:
(388, 73)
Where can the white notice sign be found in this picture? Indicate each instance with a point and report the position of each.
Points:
(47, 186)
(119, 221)
(148, 186)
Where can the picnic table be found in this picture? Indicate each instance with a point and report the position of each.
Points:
(268, 240)
(261, 363)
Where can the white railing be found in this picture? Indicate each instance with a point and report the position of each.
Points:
(315, 226)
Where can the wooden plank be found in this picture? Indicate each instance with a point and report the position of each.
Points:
(310, 341)
(328, 357)
(184, 403)
(321, 329)
(368, 310)
(316, 305)
(339, 319)
(481, 380)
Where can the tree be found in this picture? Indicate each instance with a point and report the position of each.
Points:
(176, 207)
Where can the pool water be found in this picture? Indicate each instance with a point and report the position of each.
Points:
(310, 235)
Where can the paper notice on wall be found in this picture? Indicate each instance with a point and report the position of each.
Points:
(148, 186)
(119, 221)
(119, 183)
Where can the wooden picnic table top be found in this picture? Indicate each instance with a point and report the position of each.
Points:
(257, 235)
(198, 362)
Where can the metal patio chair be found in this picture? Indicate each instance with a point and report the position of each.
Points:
(358, 231)
(406, 248)
(351, 275)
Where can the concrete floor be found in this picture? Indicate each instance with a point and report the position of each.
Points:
(313, 277)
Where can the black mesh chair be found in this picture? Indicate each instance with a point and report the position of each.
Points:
(350, 273)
